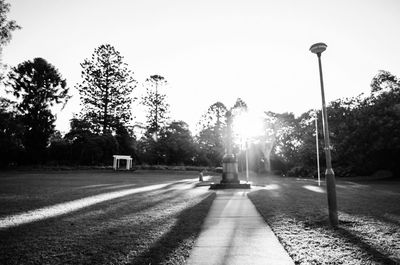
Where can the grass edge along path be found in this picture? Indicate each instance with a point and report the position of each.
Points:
(156, 227)
(174, 246)
(299, 219)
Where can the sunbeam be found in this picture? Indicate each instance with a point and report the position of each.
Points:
(71, 206)
(314, 188)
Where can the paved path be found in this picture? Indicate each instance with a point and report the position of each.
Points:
(235, 233)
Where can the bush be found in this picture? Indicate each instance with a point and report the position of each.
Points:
(60, 153)
(278, 165)
(301, 172)
(95, 150)
(344, 172)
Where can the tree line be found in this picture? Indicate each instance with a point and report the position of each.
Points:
(104, 125)
(364, 129)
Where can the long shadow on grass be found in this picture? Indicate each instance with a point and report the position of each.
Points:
(76, 233)
(318, 221)
(353, 239)
(181, 237)
(107, 210)
(378, 257)
(50, 214)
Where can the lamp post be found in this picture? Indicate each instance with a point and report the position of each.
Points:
(317, 147)
(318, 48)
(247, 162)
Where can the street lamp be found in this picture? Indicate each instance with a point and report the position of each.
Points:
(318, 48)
(247, 161)
(317, 146)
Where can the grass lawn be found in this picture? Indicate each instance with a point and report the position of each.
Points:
(159, 225)
(153, 227)
(369, 214)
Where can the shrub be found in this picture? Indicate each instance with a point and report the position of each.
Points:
(300, 172)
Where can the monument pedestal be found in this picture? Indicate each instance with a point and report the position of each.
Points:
(230, 169)
(221, 186)
(230, 176)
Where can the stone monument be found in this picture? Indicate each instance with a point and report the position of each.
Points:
(230, 176)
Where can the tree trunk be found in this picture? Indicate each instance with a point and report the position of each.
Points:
(267, 156)
(156, 118)
(105, 112)
(105, 121)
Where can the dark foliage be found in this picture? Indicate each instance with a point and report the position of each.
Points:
(126, 142)
(210, 145)
(11, 129)
(82, 147)
(106, 90)
(177, 144)
(39, 86)
(364, 132)
(6, 26)
(6, 29)
(155, 102)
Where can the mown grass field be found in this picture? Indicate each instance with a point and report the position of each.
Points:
(369, 213)
(154, 227)
(160, 225)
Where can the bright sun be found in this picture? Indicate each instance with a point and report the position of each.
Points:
(247, 125)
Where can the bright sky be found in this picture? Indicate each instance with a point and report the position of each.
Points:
(217, 50)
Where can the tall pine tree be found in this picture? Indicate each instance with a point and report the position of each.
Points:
(155, 101)
(106, 90)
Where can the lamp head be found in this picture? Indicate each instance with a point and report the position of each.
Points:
(318, 48)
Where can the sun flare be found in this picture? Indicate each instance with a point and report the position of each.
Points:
(247, 126)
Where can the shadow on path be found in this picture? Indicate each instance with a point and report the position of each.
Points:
(182, 235)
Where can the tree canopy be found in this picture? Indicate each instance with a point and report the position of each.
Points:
(156, 104)
(106, 90)
(364, 130)
(6, 26)
(39, 86)
(6, 29)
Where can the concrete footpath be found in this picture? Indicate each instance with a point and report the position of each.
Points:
(235, 233)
